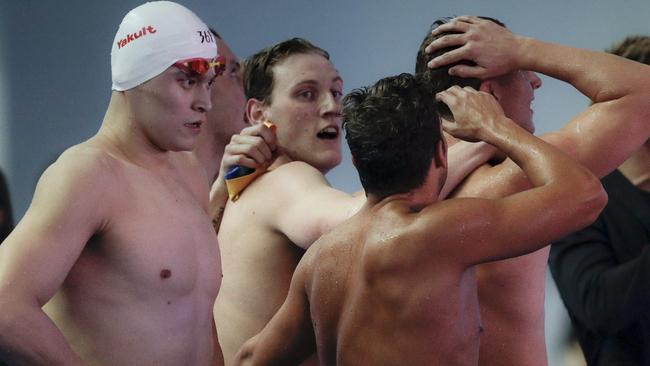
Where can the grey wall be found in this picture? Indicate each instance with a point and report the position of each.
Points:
(55, 58)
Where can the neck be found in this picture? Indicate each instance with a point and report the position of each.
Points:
(280, 160)
(637, 168)
(209, 150)
(120, 131)
(415, 199)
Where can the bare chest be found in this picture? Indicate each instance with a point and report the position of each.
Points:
(158, 240)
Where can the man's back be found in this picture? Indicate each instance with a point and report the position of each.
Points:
(369, 295)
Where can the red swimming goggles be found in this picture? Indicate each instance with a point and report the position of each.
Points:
(200, 66)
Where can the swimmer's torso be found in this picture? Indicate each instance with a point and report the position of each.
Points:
(141, 291)
(372, 303)
(258, 262)
(511, 291)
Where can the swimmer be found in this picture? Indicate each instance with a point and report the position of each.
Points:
(115, 261)
(485, 55)
(277, 217)
(395, 284)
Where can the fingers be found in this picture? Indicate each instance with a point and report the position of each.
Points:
(448, 126)
(262, 131)
(449, 57)
(466, 71)
(448, 40)
(253, 146)
(456, 25)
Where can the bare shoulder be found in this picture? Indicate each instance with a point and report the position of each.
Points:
(493, 181)
(329, 256)
(438, 232)
(298, 172)
(289, 183)
(84, 166)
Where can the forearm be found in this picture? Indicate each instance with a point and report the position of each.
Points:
(463, 158)
(540, 162)
(29, 337)
(598, 75)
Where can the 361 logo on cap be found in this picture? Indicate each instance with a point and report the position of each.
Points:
(206, 36)
(133, 36)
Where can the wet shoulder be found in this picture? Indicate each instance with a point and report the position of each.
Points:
(333, 257)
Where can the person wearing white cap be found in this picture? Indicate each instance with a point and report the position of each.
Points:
(115, 261)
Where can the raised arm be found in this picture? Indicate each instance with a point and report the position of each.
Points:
(463, 158)
(288, 338)
(37, 256)
(565, 196)
(602, 136)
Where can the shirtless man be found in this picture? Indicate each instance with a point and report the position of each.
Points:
(115, 261)
(367, 288)
(265, 232)
(511, 292)
(227, 138)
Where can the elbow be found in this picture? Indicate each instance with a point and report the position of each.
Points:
(584, 201)
(244, 356)
(594, 199)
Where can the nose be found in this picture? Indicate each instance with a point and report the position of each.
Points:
(535, 81)
(202, 100)
(332, 106)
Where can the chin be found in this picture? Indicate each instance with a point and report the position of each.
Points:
(325, 165)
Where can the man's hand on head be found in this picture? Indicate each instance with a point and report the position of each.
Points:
(493, 48)
(474, 112)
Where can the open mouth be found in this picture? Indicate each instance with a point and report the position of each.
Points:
(193, 124)
(328, 133)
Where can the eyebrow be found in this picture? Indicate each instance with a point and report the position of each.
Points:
(314, 82)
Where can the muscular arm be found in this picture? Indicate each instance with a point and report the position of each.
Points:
(289, 337)
(463, 158)
(305, 205)
(36, 257)
(565, 196)
(602, 136)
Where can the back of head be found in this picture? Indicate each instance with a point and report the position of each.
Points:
(438, 79)
(152, 37)
(258, 68)
(392, 129)
(636, 48)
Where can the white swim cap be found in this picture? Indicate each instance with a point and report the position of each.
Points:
(152, 37)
